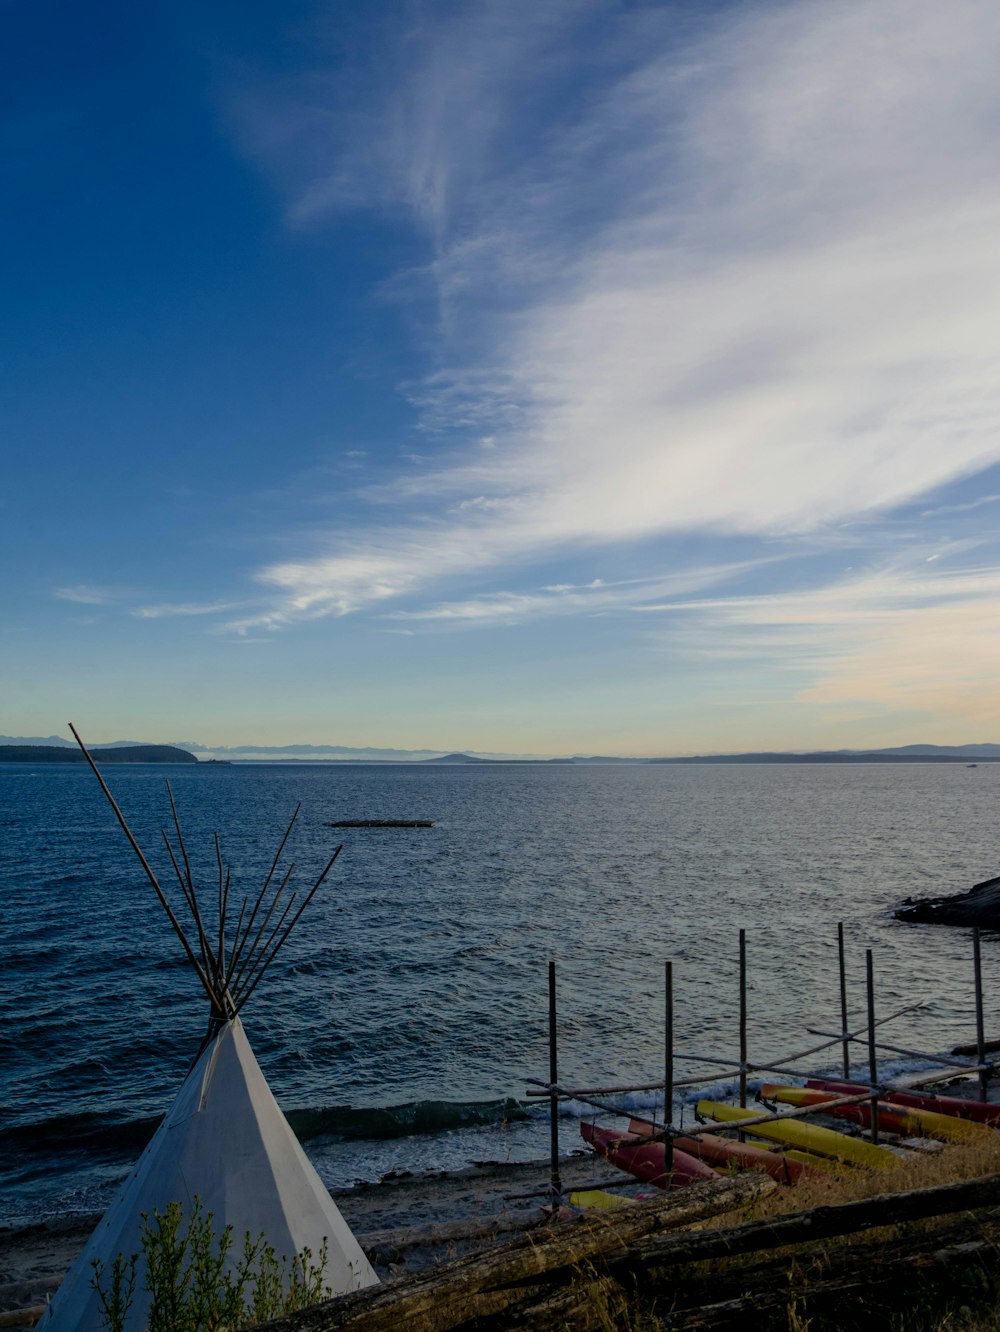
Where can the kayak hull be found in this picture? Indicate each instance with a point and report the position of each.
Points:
(645, 1160)
(893, 1119)
(979, 1112)
(726, 1154)
(599, 1200)
(822, 1141)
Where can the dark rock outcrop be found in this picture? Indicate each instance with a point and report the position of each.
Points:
(979, 906)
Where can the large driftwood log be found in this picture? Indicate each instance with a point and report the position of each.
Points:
(855, 1287)
(523, 1271)
(857, 1284)
(817, 1223)
(564, 1274)
(390, 1246)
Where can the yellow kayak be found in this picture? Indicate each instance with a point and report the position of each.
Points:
(825, 1142)
(599, 1200)
(810, 1159)
(910, 1122)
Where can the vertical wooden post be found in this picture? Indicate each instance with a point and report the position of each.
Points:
(977, 967)
(668, 1068)
(843, 1003)
(743, 1019)
(872, 1062)
(556, 1182)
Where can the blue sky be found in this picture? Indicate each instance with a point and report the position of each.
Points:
(524, 378)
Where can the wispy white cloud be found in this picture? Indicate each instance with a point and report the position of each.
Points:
(966, 507)
(167, 610)
(742, 281)
(420, 122)
(593, 598)
(899, 637)
(86, 594)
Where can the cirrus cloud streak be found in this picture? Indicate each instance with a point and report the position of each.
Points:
(743, 282)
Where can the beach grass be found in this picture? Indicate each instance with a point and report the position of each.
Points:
(893, 1277)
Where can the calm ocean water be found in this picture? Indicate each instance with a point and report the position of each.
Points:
(406, 1012)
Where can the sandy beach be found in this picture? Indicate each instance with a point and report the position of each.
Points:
(404, 1222)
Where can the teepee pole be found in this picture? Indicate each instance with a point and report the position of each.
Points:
(186, 882)
(180, 839)
(224, 879)
(191, 895)
(177, 927)
(177, 870)
(277, 857)
(240, 942)
(207, 956)
(294, 921)
(236, 936)
(222, 927)
(250, 962)
(252, 971)
(222, 913)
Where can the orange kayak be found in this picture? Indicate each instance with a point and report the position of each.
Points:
(728, 1154)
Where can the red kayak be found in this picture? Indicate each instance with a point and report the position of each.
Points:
(728, 1154)
(891, 1119)
(644, 1160)
(979, 1111)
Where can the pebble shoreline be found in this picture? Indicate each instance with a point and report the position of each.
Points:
(404, 1223)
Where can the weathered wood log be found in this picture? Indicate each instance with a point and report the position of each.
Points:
(587, 1304)
(389, 1246)
(855, 1288)
(851, 1283)
(827, 1282)
(22, 1317)
(521, 1271)
(537, 1270)
(816, 1223)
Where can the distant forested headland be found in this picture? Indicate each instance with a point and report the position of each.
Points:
(119, 754)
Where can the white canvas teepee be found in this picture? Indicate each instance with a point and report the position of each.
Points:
(224, 1141)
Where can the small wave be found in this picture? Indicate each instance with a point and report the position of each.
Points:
(348, 1123)
(85, 1132)
(123, 1138)
(31, 959)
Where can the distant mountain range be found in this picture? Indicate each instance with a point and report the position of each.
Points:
(32, 753)
(251, 753)
(982, 752)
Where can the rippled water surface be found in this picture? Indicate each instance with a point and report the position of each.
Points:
(410, 1005)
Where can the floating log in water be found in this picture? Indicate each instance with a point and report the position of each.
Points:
(383, 823)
